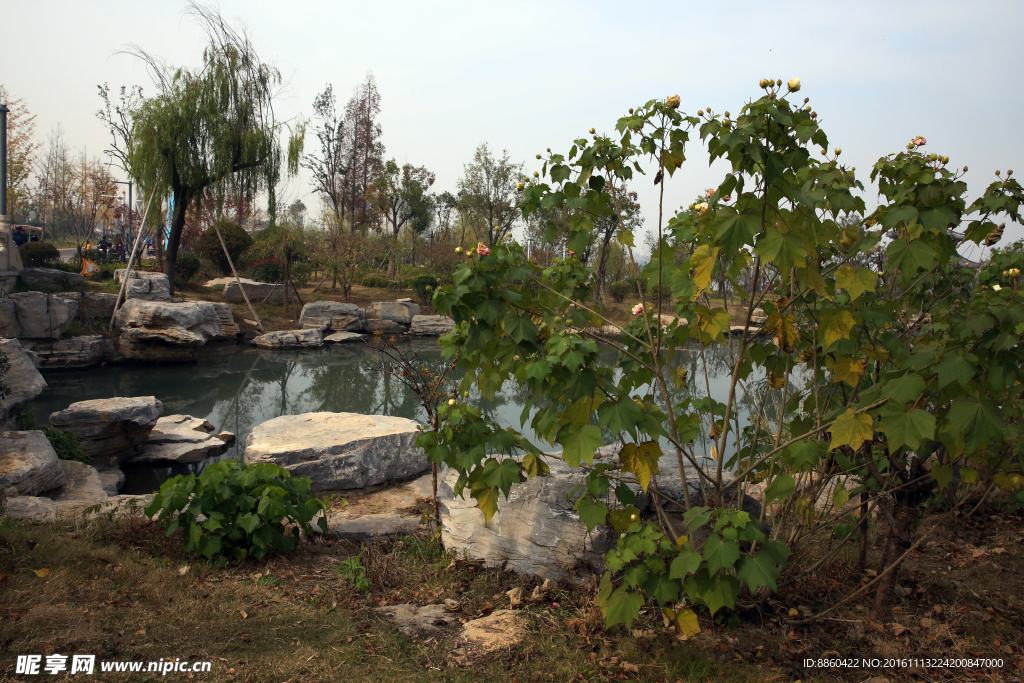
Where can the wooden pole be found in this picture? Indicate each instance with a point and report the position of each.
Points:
(238, 280)
(135, 248)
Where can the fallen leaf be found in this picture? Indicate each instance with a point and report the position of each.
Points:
(898, 629)
(3, 577)
(16, 615)
(244, 615)
(141, 632)
(42, 573)
(793, 613)
(184, 570)
(515, 597)
(926, 623)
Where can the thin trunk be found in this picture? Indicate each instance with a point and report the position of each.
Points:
(181, 200)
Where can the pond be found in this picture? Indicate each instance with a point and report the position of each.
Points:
(236, 387)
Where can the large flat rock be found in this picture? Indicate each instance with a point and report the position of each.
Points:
(76, 352)
(181, 439)
(258, 292)
(339, 450)
(384, 326)
(22, 377)
(431, 325)
(51, 278)
(534, 532)
(44, 316)
(392, 511)
(290, 339)
(332, 315)
(110, 429)
(29, 463)
(156, 288)
(163, 331)
(395, 311)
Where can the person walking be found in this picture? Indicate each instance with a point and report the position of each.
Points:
(19, 236)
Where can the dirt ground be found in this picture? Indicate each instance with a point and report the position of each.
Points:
(121, 590)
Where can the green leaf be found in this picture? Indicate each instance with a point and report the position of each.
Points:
(840, 496)
(619, 606)
(979, 423)
(758, 571)
(592, 512)
(943, 475)
(686, 622)
(909, 257)
(520, 328)
(620, 416)
(622, 518)
(625, 238)
(486, 499)
(662, 589)
(908, 388)
(579, 444)
(715, 591)
(720, 554)
(642, 460)
(851, 429)
(958, 368)
(501, 476)
(856, 281)
(534, 466)
(686, 562)
(837, 324)
(782, 487)
(785, 250)
(906, 428)
(625, 495)
(736, 230)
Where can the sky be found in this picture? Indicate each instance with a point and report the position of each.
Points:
(524, 76)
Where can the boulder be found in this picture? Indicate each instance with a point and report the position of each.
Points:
(51, 278)
(96, 305)
(44, 316)
(385, 326)
(431, 325)
(110, 429)
(534, 530)
(155, 288)
(391, 511)
(258, 292)
(153, 330)
(22, 377)
(112, 479)
(181, 439)
(342, 337)
(82, 483)
(83, 488)
(331, 315)
(395, 311)
(77, 352)
(28, 463)
(137, 274)
(339, 450)
(287, 339)
(9, 327)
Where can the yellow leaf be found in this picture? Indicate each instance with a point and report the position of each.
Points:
(686, 622)
(244, 615)
(625, 238)
(141, 632)
(856, 281)
(486, 499)
(851, 429)
(848, 370)
(42, 573)
(642, 460)
(783, 328)
(777, 381)
(838, 325)
(703, 264)
(713, 321)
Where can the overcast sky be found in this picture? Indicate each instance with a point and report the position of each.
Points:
(524, 75)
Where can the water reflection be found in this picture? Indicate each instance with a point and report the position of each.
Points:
(238, 387)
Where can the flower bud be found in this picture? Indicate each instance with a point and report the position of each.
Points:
(1009, 173)
(700, 112)
(536, 174)
(822, 152)
(910, 145)
(458, 250)
(465, 394)
(631, 110)
(793, 85)
(839, 151)
(772, 96)
(965, 169)
(538, 156)
(727, 114)
(998, 173)
(591, 130)
(515, 357)
(778, 81)
(549, 149)
(708, 109)
(519, 186)
(933, 156)
(853, 168)
(945, 160)
(672, 101)
(806, 100)
(451, 401)
(763, 83)
(814, 114)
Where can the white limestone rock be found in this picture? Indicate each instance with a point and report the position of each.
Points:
(22, 377)
(258, 292)
(431, 325)
(332, 315)
(77, 352)
(51, 277)
(29, 463)
(395, 311)
(181, 439)
(110, 429)
(290, 339)
(44, 316)
(342, 337)
(339, 450)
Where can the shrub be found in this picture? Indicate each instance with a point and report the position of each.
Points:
(269, 269)
(424, 286)
(301, 272)
(375, 281)
(187, 265)
(236, 239)
(39, 254)
(246, 510)
(620, 290)
(65, 444)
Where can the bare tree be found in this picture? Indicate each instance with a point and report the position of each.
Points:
(328, 164)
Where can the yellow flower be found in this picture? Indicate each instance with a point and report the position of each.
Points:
(794, 84)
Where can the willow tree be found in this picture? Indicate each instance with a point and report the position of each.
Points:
(210, 124)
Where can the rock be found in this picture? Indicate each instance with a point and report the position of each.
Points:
(392, 511)
(395, 311)
(341, 337)
(534, 531)
(38, 509)
(9, 326)
(339, 450)
(385, 326)
(44, 316)
(431, 325)
(148, 289)
(258, 292)
(332, 315)
(96, 305)
(22, 377)
(153, 330)
(112, 479)
(82, 483)
(29, 463)
(412, 619)
(77, 352)
(180, 439)
(110, 429)
(285, 339)
(137, 274)
(499, 630)
(51, 277)
(224, 281)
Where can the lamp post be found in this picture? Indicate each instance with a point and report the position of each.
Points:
(129, 184)
(10, 258)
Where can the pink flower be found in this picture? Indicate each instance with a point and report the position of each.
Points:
(482, 249)
(918, 141)
(554, 604)
(638, 309)
(572, 253)
(711, 192)
(726, 198)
